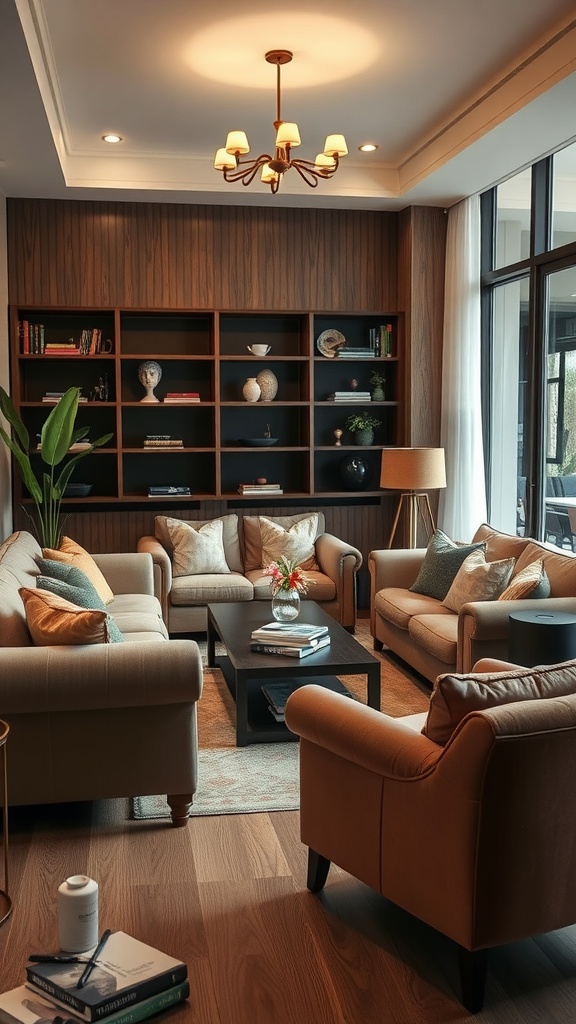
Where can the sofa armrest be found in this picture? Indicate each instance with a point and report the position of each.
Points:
(63, 679)
(162, 571)
(360, 734)
(394, 567)
(483, 625)
(127, 572)
(340, 562)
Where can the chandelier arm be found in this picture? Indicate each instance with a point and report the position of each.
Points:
(246, 170)
(306, 173)
(325, 172)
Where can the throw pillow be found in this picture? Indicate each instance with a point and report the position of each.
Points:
(478, 580)
(53, 621)
(230, 540)
(530, 582)
(196, 552)
(252, 537)
(295, 544)
(455, 696)
(62, 571)
(84, 596)
(441, 562)
(73, 554)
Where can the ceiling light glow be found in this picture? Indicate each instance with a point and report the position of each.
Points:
(368, 147)
(112, 138)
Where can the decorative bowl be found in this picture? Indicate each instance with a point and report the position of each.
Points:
(77, 490)
(257, 442)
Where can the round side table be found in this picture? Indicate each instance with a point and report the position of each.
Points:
(541, 638)
(5, 901)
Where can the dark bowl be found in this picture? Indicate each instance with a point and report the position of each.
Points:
(77, 490)
(257, 442)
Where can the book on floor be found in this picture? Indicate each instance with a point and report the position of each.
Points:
(127, 972)
(23, 1005)
(277, 694)
(288, 632)
(291, 651)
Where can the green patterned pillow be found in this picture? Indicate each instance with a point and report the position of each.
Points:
(441, 563)
(83, 596)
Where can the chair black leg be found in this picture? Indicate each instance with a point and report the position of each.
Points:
(473, 968)
(318, 868)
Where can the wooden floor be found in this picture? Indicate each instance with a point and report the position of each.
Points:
(228, 896)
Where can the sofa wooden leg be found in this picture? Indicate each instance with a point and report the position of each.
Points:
(318, 868)
(180, 805)
(473, 969)
(378, 644)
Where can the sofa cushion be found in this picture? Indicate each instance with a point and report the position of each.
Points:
(397, 605)
(53, 621)
(253, 557)
(532, 582)
(441, 562)
(455, 696)
(320, 587)
(295, 544)
(230, 539)
(437, 634)
(560, 568)
(83, 596)
(73, 554)
(197, 551)
(499, 545)
(478, 580)
(200, 590)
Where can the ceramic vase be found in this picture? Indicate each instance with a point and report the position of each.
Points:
(354, 473)
(378, 395)
(251, 390)
(286, 605)
(364, 437)
(268, 383)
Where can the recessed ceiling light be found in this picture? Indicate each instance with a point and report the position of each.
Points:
(368, 147)
(112, 138)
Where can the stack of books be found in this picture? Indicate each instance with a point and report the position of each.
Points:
(162, 441)
(168, 491)
(350, 396)
(181, 396)
(356, 353)
(253, 489)
(289, 639)
(130, 981)
(53, 397)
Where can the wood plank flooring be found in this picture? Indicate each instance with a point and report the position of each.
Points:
(228, 896)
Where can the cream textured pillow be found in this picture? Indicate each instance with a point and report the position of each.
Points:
(72, 554)
(295, 544)
(53, 621)
(530, 582)
(197, 552)
(455, 696)
(478, 580)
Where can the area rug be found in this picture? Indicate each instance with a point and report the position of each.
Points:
(263, 777)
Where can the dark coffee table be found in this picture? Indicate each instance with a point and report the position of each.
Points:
(245, 672)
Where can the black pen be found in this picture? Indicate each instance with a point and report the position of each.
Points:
(92, 961)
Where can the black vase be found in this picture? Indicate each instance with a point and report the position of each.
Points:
(354, 473)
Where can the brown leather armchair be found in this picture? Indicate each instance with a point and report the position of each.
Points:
(475, 838)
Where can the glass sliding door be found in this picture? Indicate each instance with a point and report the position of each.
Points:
(560, 399)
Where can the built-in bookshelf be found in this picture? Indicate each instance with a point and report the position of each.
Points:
(207, 353)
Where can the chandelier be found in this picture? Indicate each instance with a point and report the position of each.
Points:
(228, 159)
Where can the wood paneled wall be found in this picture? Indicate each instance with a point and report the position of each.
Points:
(163, 256)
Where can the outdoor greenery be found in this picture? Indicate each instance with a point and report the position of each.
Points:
(47, 488)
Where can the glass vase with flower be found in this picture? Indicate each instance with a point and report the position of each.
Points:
(288, 582)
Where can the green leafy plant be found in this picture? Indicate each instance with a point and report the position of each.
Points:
(362, 421)
(58, 434)
(377, 379)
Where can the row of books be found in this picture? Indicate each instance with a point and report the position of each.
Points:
(256, 489)
(350, 396)
(32, 342)
(289, 639)
(129, 982)
(174, 397)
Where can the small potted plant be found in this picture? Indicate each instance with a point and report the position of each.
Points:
(362, 425)
(377, 379)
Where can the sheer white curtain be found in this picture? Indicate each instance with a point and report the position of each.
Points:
(462, 505)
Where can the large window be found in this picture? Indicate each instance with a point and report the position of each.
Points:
(529, 338)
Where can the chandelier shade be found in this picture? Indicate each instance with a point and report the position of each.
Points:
(272, 167)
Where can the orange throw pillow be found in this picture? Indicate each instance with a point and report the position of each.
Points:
(55, 622)
(72, 554)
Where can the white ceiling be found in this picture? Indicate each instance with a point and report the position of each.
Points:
(456, 93)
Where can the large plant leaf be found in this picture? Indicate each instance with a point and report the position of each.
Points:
(8, 410)
(59, 427)
(70, 466)
(25, 468)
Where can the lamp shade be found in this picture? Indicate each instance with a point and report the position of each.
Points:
(268, 174)
(287, 135)
(335, 144)
(224, 161)
(237, 142)
(324, 163)
(412, 469)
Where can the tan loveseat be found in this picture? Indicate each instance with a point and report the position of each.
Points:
(184, 597)
(434, 639)
(99, 720)
(471, 834)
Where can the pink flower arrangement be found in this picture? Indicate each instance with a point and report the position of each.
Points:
(287, 575)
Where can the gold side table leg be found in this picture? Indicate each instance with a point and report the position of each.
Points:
(5, 901)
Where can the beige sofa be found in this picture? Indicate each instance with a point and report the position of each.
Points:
(184, 598)
(102, 720)
(433, 639)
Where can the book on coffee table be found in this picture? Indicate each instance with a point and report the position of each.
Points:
(288, 651)
(288, 633)
(23, 1005)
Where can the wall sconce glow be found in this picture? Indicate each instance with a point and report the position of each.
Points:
(368, 147)
(112, 138)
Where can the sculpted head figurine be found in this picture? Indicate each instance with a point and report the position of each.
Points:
(149, 374)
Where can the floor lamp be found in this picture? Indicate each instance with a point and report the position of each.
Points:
(413, 471)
